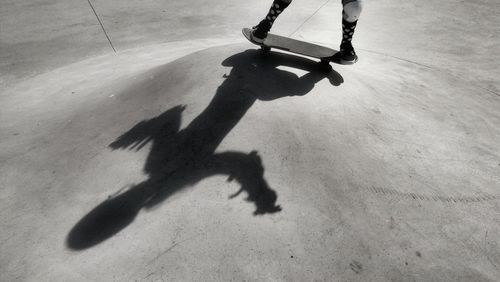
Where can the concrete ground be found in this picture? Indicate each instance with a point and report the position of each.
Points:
(149, 141)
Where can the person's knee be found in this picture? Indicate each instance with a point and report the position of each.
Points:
(352, 10)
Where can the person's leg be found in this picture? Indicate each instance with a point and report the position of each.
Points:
(350, 15)
(261, 30)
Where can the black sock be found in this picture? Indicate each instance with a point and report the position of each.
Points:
(275, 10)
(347, 31)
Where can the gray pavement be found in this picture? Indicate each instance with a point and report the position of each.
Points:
(175, 152)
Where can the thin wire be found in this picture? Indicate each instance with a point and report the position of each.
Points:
(102, 26)
(309, 18)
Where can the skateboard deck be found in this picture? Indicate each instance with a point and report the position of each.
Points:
(294, 46)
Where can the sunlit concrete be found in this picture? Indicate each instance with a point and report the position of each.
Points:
(187, 156)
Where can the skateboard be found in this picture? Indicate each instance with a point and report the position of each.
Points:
(326, 55)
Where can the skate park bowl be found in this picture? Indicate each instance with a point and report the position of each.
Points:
(151, 142)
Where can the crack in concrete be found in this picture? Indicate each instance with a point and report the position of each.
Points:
(399, 58)
(436, 198)
(175, 244)
(310, 17)
(102, 26)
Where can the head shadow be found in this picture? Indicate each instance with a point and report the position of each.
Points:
(181, 157)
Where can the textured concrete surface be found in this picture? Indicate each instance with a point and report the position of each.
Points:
(187, 156)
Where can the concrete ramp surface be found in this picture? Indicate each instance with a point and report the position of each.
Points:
(152, 142)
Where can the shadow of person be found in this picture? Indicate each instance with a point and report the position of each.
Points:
(180, 158)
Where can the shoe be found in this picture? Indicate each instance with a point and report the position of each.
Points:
(347, 56)
(260, 31)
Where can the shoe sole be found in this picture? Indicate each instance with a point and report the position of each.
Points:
(345, 62)
(342, 62)
(256, 39)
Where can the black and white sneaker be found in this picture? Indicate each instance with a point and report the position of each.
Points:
(346, 55)
(260, 31)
